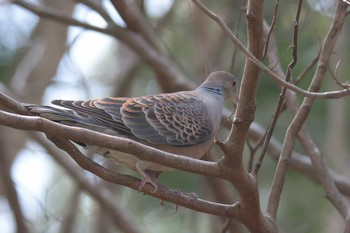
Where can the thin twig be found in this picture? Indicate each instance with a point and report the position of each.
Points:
(283, 91)
(272, 26)
(335, 78)
(235, 31)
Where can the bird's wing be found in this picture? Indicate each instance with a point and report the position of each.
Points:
(179, 119)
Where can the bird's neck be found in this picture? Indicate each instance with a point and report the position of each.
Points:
(213, 97)
(214, 90)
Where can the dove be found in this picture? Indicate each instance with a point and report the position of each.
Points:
(183, 123)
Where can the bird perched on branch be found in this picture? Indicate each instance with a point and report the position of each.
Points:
(183, 123)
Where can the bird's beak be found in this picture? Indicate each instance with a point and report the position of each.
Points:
(234, 99)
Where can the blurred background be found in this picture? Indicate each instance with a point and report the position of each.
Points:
(42, 60)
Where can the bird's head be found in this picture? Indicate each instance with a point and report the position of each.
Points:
(223, 83)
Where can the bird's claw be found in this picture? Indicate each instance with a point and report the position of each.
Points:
(145, 181)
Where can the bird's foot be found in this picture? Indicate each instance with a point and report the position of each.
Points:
(148, 177)
(148, 180)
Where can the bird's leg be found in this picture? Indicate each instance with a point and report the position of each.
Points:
(148, 176)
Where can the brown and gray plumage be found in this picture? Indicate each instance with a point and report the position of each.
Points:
(183, 123)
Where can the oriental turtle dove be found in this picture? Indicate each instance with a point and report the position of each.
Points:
(183, 123)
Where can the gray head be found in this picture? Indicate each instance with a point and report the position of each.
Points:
(222, 83)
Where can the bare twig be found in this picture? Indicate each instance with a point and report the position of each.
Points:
(283, 91)
(334, 76)
(272, 26)
(235, 31)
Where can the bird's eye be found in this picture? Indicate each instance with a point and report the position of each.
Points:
(234, 83)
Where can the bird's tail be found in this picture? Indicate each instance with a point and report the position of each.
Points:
(65, 116)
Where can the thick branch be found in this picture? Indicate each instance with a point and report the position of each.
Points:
(137, 22)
